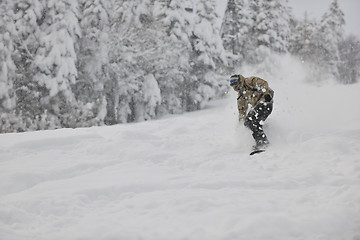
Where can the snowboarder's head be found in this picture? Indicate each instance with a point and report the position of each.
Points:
(236, 80)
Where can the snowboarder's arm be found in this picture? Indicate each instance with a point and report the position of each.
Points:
(262, 87)
(242, 108)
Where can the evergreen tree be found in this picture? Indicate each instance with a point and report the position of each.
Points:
(147, 107)
(282, 17)
(270, 27)
(301, 40)
(235, 31)
(349, 69)
(93, 57)
(28, 16)
(56, 58)
(176, 18)
(207, 54)
(137, 49)
(205, 40)
(304, 44)
(330, 34)
(7, 66)
(174, 72)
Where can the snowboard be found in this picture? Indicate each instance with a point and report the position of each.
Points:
(257, 151)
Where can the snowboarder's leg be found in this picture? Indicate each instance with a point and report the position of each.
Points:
(254, 121)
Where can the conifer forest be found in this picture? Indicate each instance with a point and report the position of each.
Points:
(82, 63)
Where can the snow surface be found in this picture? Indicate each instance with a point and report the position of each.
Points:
(190, 176)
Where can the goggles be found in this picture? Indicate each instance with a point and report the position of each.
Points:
(234, 80)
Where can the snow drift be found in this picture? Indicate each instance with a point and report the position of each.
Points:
(190, 176)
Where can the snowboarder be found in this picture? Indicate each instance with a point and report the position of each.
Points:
(253, 92)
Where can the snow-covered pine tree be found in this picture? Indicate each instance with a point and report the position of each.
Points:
(7, 67)
(205, 40)
(28, 15)
(56, 58)
(330, 34)
(119, 69)
(93, 59)
(235, 31)
(254, 10)
(301, 40)
(175, 16)
(282, 16)
(270, 27)
(230, 27)
(137, 45)
(304, 44)
(151, 98)
(173, 72)
(349, 69)
(121, 85)
(207, 55)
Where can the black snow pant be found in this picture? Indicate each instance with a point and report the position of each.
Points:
(255, 119)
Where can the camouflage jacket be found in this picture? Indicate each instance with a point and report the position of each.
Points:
(251, 91)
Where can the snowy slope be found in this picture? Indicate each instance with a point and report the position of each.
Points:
(190, 176)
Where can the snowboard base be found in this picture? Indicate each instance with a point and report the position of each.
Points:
(256, 151)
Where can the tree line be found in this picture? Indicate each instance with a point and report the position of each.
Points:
(253, 30)
(80, 63)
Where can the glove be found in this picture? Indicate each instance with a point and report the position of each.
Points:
(268, 98)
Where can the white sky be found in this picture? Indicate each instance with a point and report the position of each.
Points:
(316, 8)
